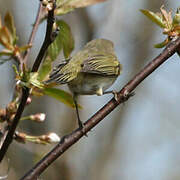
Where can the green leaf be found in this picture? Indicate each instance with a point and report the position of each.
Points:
(65, 6)
(84, 3)
(63, 40)
(60, 95)
(24, 48)
(63, 10)
(154, 17)
(33, 80)
(162, 44)
(176, 19)
(55, 48)
(15, 70)
(9, 23)
(45, 69)
(6, 52)
(5, 39)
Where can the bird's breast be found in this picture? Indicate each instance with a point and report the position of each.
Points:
(89, 84)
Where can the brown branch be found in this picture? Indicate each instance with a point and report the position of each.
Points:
(25, 90)
(178, 51)
(123, 95)
(33, 32)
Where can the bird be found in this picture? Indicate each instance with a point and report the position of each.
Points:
(91, 71)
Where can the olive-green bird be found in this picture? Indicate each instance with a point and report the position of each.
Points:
(90, 71)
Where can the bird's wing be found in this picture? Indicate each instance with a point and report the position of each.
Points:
(104, 64)
(63, 73)
(96, 57)
(100, 58)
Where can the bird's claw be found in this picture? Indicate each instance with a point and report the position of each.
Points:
(115, 95)
(81, 126)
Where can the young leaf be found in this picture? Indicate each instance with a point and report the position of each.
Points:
(9, 23)
(154, 17)
(63, 40)
(16, 71)
(67, 39)
(5, 38)
(84, 3)
(162, 44)
(60, 95)
(63, 10)
(24, 48)
(45, 69)
(55, 48)
(66, 6)
(33, 80)
(176, 19)
(6, 52)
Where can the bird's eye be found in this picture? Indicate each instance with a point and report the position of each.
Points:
(82, 65)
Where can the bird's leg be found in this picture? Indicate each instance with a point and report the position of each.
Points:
(116, 95)
(112, 92)
(80, 123)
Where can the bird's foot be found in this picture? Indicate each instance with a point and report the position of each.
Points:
(115, 93)
(81, 126)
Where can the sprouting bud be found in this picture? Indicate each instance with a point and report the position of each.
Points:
(11, 118)
(54, 137)
(48, 4)
(2, 115)
(176, 19)
(43, 139)
(44, 2)
(55, 26)
(11, 107)
(29, 100)
(18, 82)
(50, 138)
(18, 87)
(55, 31)
(20, 137)
(39, 117)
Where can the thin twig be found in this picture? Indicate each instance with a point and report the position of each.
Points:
(25, 91)
(68, 140)
(33, 32)
(20, 60)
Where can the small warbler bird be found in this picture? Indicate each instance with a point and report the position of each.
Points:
(90, 71)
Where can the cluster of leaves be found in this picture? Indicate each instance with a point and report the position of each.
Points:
(8, 39)
(169, 24)
(64, 41)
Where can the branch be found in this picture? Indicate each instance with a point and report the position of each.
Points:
(25, 90)
(123, 95)
(33, 32)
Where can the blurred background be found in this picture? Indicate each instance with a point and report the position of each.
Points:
(140, 139)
